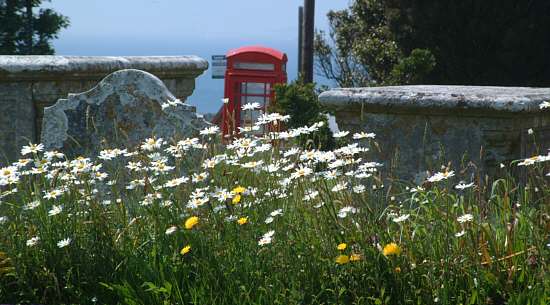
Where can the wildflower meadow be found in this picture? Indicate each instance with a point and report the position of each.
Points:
(261, 219)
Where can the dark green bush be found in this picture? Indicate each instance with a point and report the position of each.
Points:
(300, 101)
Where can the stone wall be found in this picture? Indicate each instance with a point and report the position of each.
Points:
(419, 128)
(30, 83)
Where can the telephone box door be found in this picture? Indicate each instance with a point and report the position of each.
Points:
(255, 92)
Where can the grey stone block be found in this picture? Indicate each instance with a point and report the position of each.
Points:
(30, 83)
(123, 110)
(420, 128)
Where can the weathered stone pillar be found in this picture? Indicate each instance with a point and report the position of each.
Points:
(421, 127)
(30, 83)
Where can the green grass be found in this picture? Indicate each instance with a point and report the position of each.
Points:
(120, 253)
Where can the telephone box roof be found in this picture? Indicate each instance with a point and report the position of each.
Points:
(258, 49)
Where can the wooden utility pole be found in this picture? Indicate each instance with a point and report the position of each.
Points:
(307, 48)
(30, 28)
(300, 38)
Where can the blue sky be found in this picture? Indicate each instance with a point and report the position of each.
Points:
(181, 27)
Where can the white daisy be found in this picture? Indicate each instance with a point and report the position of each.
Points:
(529, 161)
(343, 213)
(171, 230)
(210, 130)
(266, 238)
(339, 187)
(33, 241)
(340, 134)
(329, 175)
(251, 106)
(64, 242)
(441, 176)
(462, 186)
(358, 189)
(151, 144)
(32, 149)
(302, 171)
(363, 135)
(56, 209)
(8, 172)
(401, 218)
(53, 194)
(465, 218)
(310, 195)
(277, 212)
(170, 103)
(291, 152)
(31, 205)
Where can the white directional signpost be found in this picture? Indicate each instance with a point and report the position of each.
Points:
(219, 65)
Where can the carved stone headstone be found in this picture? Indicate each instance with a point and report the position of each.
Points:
(121, 111)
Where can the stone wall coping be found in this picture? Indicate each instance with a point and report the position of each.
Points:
(438, 99)
(50, 67)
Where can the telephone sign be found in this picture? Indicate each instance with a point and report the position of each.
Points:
(219, 65)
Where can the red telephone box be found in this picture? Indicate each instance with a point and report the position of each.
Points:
(249, 78)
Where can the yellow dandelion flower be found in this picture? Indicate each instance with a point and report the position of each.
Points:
(342, 246)
(191, 222)
(185, 250)
(242, 220)
(239, 190)
(342, 259)
(236, 199)
(391, 249)
(355, 257)
(397, 269)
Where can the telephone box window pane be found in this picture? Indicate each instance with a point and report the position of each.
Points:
(254, 66)
(253, 88)
(255, 99)
(249, 119)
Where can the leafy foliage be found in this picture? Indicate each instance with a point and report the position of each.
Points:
(22, 33)
(504, 42)
(300, 101)
(361, 49)
(389, 42)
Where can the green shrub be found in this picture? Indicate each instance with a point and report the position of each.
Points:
(300, 101)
